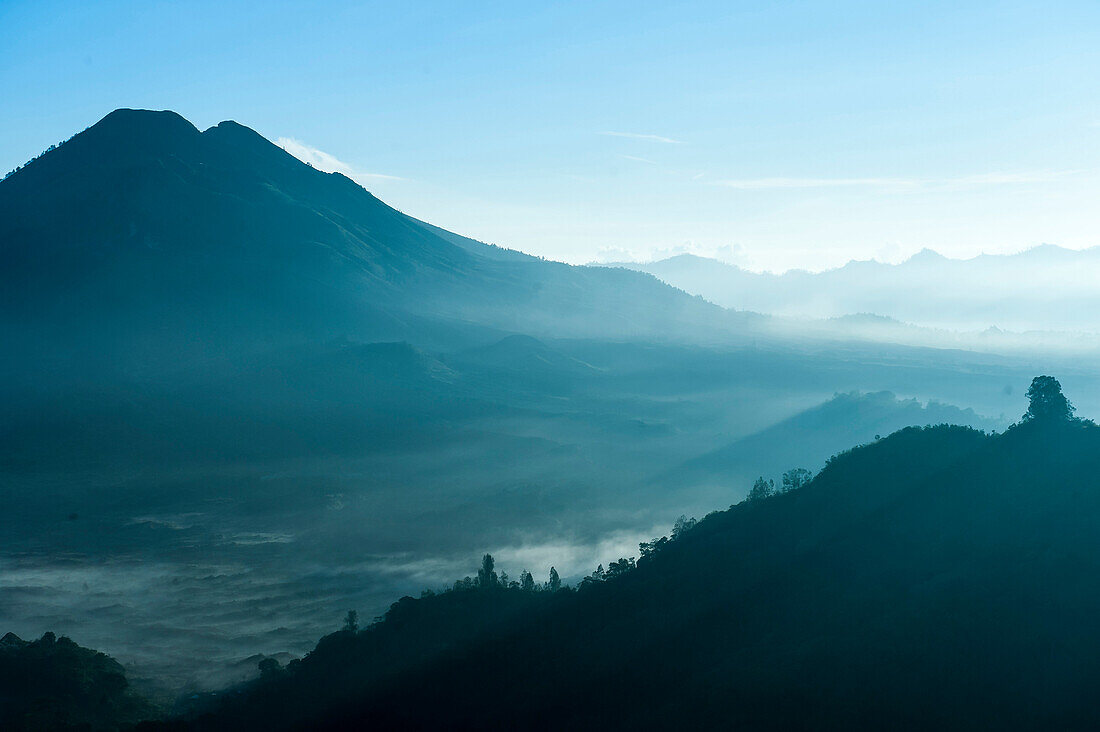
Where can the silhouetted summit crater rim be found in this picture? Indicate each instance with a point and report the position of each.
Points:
(133, 120)
(125, 131)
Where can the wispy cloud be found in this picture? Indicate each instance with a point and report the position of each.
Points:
(966, 181)
(650, 138)
(637, 159)
(329, 163)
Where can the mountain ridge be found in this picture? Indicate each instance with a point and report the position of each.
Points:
(941, 553)
(809, 438)
(140, 229)
(1045, 288)
(922, 256)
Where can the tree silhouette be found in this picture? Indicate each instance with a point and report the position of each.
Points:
(351, 621)
(486, 577)
(619, 568)
(682, 525)
(269, 667)
(649, 548)
(795, 479)
(555, 580)
(761, 489)
(1047, 402)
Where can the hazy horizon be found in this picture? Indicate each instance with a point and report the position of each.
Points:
(783, 136)
(718, 256)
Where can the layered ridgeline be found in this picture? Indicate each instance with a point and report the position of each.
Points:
(938, 577)
(146, 242)
(810, 437)
(1043, 289)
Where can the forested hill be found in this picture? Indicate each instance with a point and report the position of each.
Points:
(938, 577)
(54, 684)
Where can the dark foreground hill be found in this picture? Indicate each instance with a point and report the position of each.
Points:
(54, 684)
(940, 577)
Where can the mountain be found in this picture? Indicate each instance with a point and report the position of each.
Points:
(1046, 288)
(525, 362)
(242, 395)
(809, 438)
(936, 578)
(145, 241)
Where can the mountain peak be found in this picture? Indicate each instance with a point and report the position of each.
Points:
(132, 127)
(120, 138)
(238, 134)
(145, 117)
(926, 256)
(123, 138)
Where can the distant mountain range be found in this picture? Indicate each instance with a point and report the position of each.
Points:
(1046, 289)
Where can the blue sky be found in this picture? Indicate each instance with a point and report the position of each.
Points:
(770, 134)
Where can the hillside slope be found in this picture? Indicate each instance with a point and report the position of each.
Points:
(940, 577)
(145, 241)
(809, 438)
